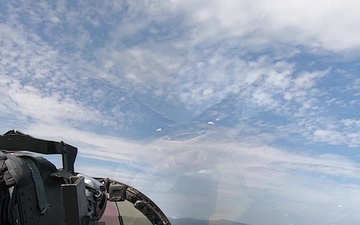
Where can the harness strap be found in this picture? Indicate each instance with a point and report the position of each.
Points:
(39, 186)
(4, 192)
(3, 202)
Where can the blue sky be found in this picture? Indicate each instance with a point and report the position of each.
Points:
(286, 146)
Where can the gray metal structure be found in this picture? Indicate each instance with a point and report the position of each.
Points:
(74, 200)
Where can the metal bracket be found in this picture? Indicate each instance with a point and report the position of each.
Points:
(17, 141)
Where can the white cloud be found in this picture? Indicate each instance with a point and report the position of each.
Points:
(25, 100)
(140, 51)
(330, 136)
(307, 80)
(325, 24)
(174, 61)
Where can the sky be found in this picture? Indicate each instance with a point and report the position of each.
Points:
(215, 109)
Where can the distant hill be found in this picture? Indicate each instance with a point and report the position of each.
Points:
(186, 221)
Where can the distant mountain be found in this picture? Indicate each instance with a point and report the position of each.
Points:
(186, 221)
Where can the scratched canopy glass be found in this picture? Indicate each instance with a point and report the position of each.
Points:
(228, 112)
